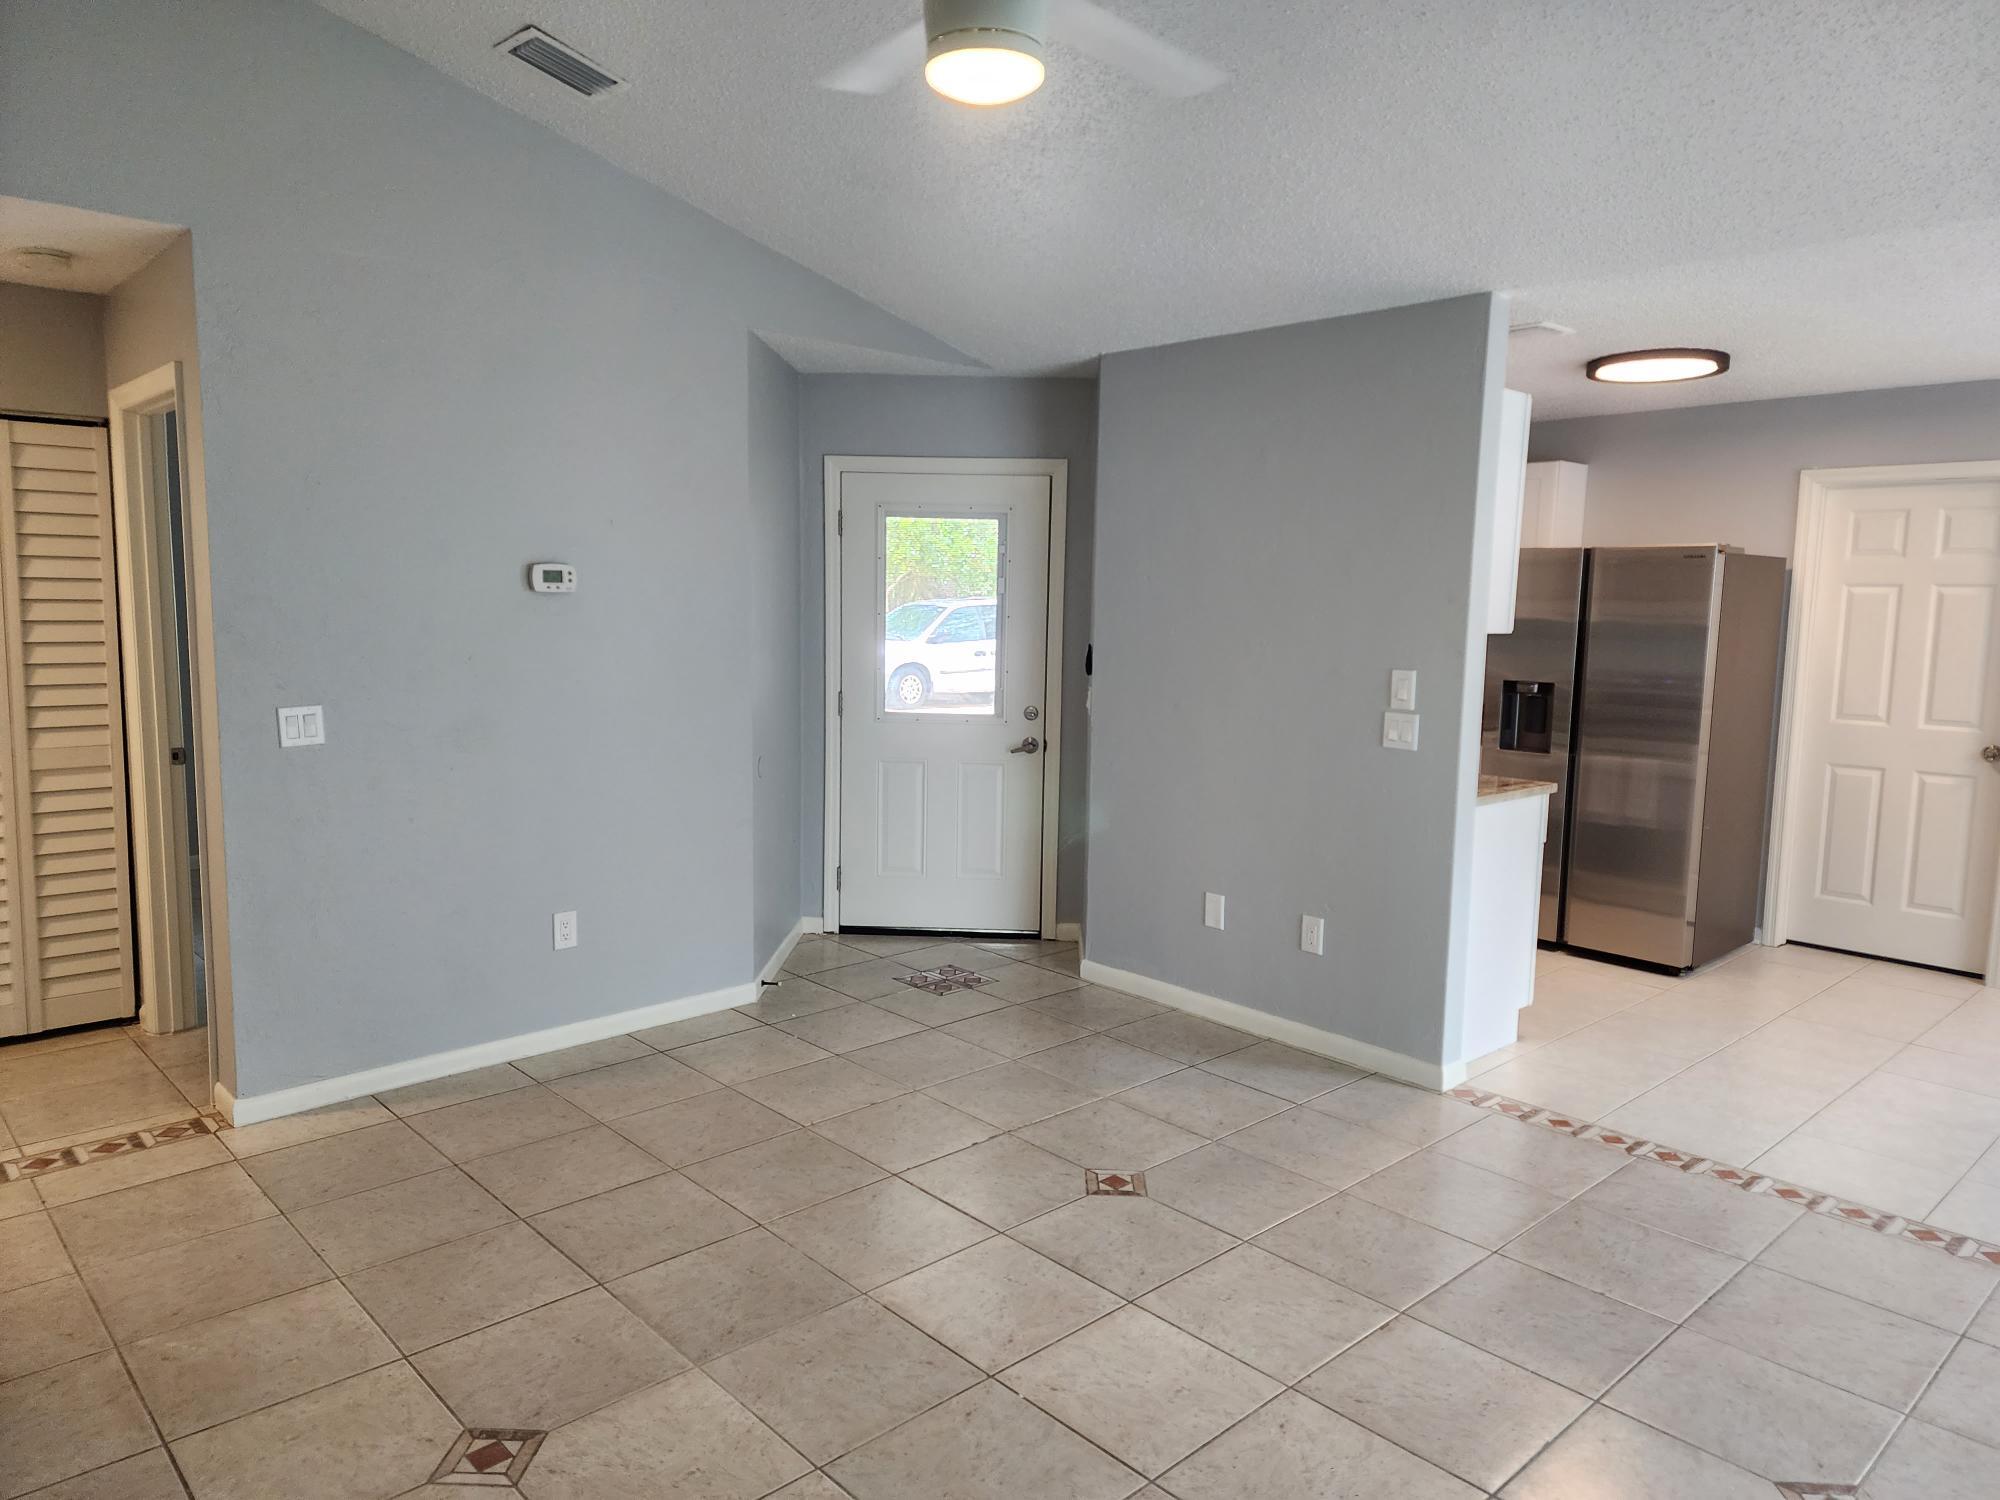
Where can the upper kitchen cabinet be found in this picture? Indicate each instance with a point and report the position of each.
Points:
(1552, 505)
(1509, 491)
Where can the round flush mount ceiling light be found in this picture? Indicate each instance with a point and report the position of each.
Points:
(985, 52)
(1657, 366)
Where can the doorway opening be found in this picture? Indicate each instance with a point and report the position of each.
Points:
(944, 586)
(115, 972)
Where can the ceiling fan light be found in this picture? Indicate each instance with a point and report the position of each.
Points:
(985, 67)
(1657, 366)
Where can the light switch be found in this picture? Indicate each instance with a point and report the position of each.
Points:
(1211, 909)
(1399, 731)
(1403, 688)
(301, 726)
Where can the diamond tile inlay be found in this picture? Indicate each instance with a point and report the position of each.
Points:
(490, 1456)
(1115, 1184)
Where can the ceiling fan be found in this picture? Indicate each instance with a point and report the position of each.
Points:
(990, 51)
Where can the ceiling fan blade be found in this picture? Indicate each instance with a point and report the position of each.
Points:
(895, 60)
(1108, 38)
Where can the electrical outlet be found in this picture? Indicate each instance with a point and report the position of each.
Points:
(565, 925)
(1312, 934)
(1211, 910)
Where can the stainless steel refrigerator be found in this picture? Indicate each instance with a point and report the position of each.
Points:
(1643, 681)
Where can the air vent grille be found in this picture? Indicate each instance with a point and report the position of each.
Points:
(560, 61)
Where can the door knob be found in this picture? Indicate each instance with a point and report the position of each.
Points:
(1991, 752)
(1030, 745)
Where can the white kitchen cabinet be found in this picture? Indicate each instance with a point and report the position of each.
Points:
(1552, 504)
(1509, 489)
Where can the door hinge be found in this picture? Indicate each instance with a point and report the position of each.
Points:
(836, 877)
(839, 703)
(840, 523)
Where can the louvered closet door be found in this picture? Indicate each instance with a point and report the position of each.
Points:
(64, 859)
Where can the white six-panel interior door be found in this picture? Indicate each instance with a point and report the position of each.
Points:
(1893, 792)
(943, 727)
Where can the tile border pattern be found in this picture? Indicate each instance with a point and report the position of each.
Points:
(1962, 1246)
(84, 1154)
(489, 1456)
(1114, 1184)
(944, 979)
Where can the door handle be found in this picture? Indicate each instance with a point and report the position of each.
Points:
(1990, 753)
(1027, 747)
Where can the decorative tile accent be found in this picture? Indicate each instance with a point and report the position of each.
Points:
(492, 1456)
(944, 979)
(84, 1154)
(1965, 1247)
(1114, 1184)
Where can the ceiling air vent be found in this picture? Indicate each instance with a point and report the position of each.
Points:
(559, 60)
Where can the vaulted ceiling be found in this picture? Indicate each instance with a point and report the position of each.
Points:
(1811, 184)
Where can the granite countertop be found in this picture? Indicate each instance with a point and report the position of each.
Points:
(1507, 788)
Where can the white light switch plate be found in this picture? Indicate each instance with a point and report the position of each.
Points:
(1211, 909)
(1399, 731)
(1403, 688)
(565, 927)
(301, 726)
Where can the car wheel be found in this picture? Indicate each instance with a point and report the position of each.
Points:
(909, 687)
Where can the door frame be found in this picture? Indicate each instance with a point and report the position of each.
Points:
(144, 559)
(1803, 637)
(1056, 471)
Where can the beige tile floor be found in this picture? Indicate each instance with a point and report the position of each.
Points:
(87, 1085)
(1873, 1081)
(837, 1244)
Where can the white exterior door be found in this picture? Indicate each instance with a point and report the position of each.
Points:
(1895, 813)
(944, 605)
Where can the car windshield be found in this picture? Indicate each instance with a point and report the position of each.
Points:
(908, 621)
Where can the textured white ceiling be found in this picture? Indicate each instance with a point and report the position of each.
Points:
(108, 247)
(1650, 172)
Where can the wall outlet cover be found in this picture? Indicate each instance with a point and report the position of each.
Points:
(1211, 910)
(1312, 935)
(565, 929)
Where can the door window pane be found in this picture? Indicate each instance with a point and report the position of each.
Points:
(941, 586)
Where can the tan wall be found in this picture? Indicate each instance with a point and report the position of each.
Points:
(51, 352)
(149, 322)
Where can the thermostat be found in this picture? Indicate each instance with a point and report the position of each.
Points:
(552, 578)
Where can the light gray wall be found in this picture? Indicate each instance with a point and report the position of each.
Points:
(952, 417)
(439, 343)
(1731, 473)
(774, 634)
(51, 352)
(1282, 518)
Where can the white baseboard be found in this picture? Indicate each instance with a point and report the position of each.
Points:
(1429, 1075)
(776, 961)
(1069, 932)
(300, 1097)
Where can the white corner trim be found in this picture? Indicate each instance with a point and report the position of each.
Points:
(1069, 932)
(257, 1108)
(776, 961)
(224, 1101)
(1429, 1075)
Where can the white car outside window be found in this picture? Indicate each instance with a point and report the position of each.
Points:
(940, 655)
